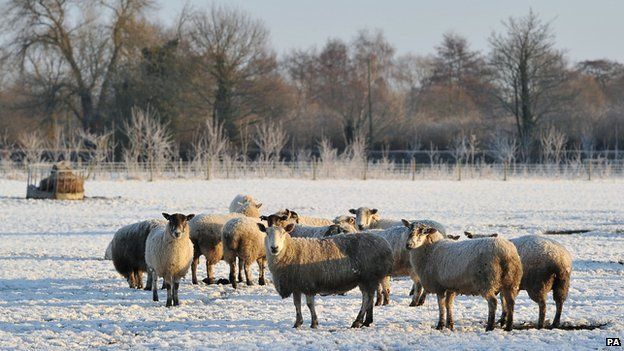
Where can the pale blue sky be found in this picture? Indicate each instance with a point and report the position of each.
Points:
(586, 29)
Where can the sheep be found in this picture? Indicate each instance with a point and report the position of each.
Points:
(168, 253)
(246, 205)
(483, 267)
(304, 231)
(294, 217)
(546, 266)
(127, 250)
(367, 218)
(206, 237)
(241, 239)
(345, 219)
(331, 265)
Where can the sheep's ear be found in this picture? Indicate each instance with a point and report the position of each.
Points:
(262, 227)
(351, 220)
(264, 218)
(468, 234)
(494, 235)
(373, 211)
(166, 215)
(189, 217)
(406, 223)
(294, 214)
(333, 229)
(259, 204)
(453, 237)
(353, 211)
(289, 228)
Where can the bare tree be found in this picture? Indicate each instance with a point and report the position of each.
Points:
(86, 40)
(503, 147)
(553, 144)
(270, 138)
(235, 54)
(32, 145)
(527, 71)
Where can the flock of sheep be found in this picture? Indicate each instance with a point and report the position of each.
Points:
(310, 256)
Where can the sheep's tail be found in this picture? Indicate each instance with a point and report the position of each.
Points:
(561, 284)
(511, 268)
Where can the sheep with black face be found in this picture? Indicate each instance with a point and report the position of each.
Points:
(168, 253)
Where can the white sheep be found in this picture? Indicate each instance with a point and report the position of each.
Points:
(306, 231)
(332, 265)
(367, 218)
(546, 266)
(168, 253)
(294, 217)
(482, 267)
(206, 237)
(127, 251)
(246, 205)
(243, 240)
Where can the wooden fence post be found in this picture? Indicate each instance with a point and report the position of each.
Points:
(413, 168)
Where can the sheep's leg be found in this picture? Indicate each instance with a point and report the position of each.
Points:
(491, 312)
(508, 308)
(210, 279)
(311, 307)
(413, 290)
(379, 296)
(169, 293)
(261, 264)
(176, 287)
(248, 276)
(441, 310)
(297, 302)
(233, 281)
(422, 295)
(138, 279)
(154, 286)
(194, 264)
(560, 293)
(148, 281)
(366, 299)
(386, 290)
(369, 310)
(130, 279)
(450, 298)
(240, 270)
(542, 313)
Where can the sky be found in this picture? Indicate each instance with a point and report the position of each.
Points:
(585, 29)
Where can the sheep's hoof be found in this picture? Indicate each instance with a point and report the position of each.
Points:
(169, 304)
(249, 283)
(223, 281)
(261, 281)
(386, 302)
(413, 304)
(147, 288)
(356, 324)
(314, 325)
(208, 281)
(508, 328)
(489, 328)
(440, 326)
(450, 327)
(378, 302)
(195, 281)
(155, 299)
(298, 324)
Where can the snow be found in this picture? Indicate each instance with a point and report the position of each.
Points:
(57, 292)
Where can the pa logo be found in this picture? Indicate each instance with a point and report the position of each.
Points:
(614, 342)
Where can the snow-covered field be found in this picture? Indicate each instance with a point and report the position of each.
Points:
(57, 292)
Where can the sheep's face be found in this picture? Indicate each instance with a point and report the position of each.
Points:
(177, 224)
(364, 217)
(345, 219)
(418, 234)
(275, 238)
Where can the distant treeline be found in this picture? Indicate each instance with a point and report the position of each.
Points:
(79, 74)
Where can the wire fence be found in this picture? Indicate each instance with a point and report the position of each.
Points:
(317, 170)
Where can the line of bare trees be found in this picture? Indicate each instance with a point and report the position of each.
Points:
(103, 75)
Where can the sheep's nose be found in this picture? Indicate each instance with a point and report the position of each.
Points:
(274, 249)
(360, 227)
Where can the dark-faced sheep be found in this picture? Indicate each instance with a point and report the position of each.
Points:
(482, 267)
(332, 265)
(168, 253)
